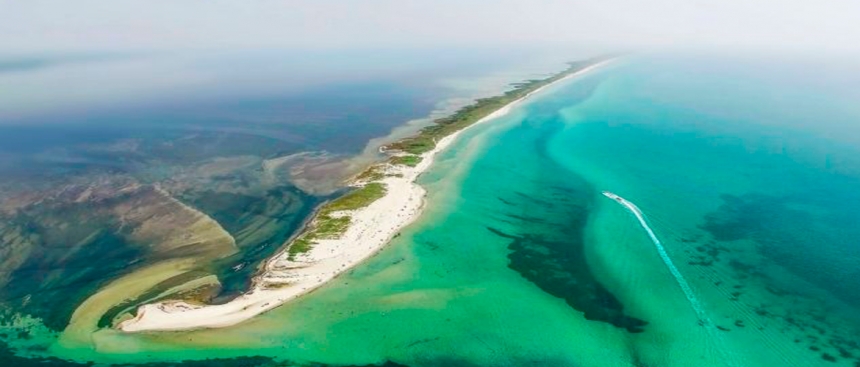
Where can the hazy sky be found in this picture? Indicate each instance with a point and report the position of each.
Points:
(32, 80)
(42, 25)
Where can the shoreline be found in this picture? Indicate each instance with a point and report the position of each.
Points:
(288, 276)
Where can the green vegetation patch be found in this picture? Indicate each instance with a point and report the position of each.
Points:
(406, 160)
(331, 228)
(327, 226)
(356, 199)
(300, 245)
(374, 173)
(415, 145)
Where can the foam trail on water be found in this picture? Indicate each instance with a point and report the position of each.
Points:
(688, 291)
(679, 278)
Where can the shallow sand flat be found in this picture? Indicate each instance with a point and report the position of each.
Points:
(86, 317)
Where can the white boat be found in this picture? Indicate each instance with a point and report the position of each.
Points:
(613, 197)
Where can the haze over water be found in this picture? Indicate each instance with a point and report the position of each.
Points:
(745, 170)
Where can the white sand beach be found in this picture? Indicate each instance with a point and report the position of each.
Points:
(282, 279)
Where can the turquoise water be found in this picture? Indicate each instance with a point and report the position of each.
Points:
(744, 170)
(747, 173)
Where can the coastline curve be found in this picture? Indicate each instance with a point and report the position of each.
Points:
(289, 275)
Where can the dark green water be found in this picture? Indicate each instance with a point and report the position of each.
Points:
(744, 169)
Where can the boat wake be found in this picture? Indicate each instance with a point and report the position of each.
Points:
(682, 282)
(704, 320)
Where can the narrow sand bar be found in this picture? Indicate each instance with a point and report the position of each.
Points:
(283, 279)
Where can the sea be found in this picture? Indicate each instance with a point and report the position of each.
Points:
(745, 171)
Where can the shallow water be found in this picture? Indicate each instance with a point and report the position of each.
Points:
(519, 260)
